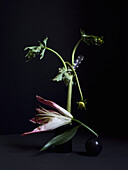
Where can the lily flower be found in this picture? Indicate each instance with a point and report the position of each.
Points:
(50, 119)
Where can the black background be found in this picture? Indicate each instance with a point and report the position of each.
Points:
(102, 75)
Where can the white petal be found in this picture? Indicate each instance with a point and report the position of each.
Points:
(54, 123)
(62, 110)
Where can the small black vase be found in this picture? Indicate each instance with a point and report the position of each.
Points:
(67, 146)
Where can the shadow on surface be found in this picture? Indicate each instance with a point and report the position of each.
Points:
(86, 154)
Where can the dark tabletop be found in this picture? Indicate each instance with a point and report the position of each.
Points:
(22, 153)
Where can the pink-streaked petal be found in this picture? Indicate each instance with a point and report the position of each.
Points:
(34, 131)
(46, 102)
(44, 111)
(48, 111)
(54, 105)
(53, 124)
(36, 120)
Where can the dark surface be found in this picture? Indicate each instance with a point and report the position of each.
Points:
(22, 153)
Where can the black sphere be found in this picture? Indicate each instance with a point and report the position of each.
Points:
(93, 147)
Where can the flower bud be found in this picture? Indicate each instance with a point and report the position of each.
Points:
(81, 105)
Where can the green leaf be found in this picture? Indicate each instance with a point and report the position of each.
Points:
(36, 50)
(66, 78)
(30, 48)
(30, 55)
(43, 50)
(60, 75)
(91, 39)
(42, 54)
(63, 75)
(45, 41)
(83, 35)
(62, 138)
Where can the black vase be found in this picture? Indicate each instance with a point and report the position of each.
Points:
(67, 146)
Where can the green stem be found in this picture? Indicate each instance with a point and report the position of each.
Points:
(69, 96)
(53, 51)
(81, 95)
(82, 124)
(74, 50)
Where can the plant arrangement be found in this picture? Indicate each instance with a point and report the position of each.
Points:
(51, 119)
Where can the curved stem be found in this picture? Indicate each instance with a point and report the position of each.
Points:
(74, 50)
(53, 51)
(82, 124)
(76, 79)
